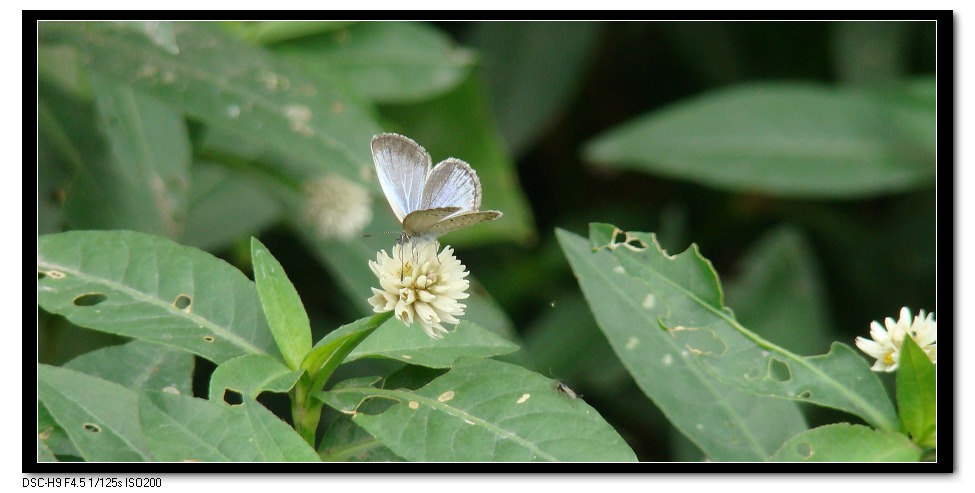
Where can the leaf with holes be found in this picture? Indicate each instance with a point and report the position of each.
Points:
(725, 423)
(697, 321)
(790, 140)
(483, 410)
(282, 307)
(229, 83)
(410, 345)
(100, 417)
(917, 396)
(150, 288)
(250, 375)
(139, 365)
(387, 62)
(844, 442)
(182, 428)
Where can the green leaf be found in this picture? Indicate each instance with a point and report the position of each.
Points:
(250, 375)
(267, 32)
(182, 428)
(790, 140)
(332, 350)
(44, 454)
(485, 410)
(411, 345)
(51, 434)
(231, 84)
(384, 61)
(100, 417)
(460, 124)
(150, 288)
(523, 102)
(282, 306)
(917, 397)
(844, 442)
(725, 423)
(139, 365)
(218, 213)
(343, 441)
(699, 322)
(780, 294)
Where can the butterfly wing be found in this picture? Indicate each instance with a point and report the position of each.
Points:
(417, 223)
(460, 220)
(452, 183)
(402, 166)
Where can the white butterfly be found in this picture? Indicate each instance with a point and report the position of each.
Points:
(429, 200)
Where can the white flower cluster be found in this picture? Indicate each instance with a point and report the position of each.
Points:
(418, 283)
(886, 343)
(336, 207)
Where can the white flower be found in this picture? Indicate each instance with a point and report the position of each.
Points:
(336, 207)
(886, 343)
(417, 283)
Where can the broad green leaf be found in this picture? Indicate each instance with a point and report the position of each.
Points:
(150, 288)
(333, 349)
(780, 293)
(128, 156)
(725, 423)
(411, 345)
(698, 321)
(344, 441)
(917, 396)
(870, 52)
(225, 206)
(268, 32)
(525, 103)
(52, 435)
(843, 442)
(100, 417)
(44, 453)
(282, 306)
(485, 410)
(182, 428)
(139, 365)
(384, 61)
(250, 375)
(229, 83)
(459, 124)
(790, 140)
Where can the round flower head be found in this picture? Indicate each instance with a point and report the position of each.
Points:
(418, 283)
(886, 343)
(338, 208)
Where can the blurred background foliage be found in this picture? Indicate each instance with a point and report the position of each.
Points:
(799, 156)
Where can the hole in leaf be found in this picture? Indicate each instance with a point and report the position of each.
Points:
(209, 338)
(778, 370)
(805, 395)
(183, 302)
(89, 299)
(56, 274)
(232, 397)
(804, 450)
(92, 427)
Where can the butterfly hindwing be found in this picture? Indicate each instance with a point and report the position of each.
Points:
(418, 222)
(402, 167)
(460, 220)
(452, 183)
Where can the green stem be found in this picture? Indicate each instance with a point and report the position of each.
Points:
(320, 363)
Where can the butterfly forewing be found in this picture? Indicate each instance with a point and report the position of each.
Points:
(402, 167)
(452, 183)
(461, 220)
(417, 223)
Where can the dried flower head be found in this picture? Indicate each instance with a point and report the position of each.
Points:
(338, 208)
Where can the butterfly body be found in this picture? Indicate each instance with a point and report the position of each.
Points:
(429, 200)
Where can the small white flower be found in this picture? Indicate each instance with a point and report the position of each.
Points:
(417, 283)
(336, 207)
(885, 345)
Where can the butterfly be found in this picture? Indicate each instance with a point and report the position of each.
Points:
(429, 200)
